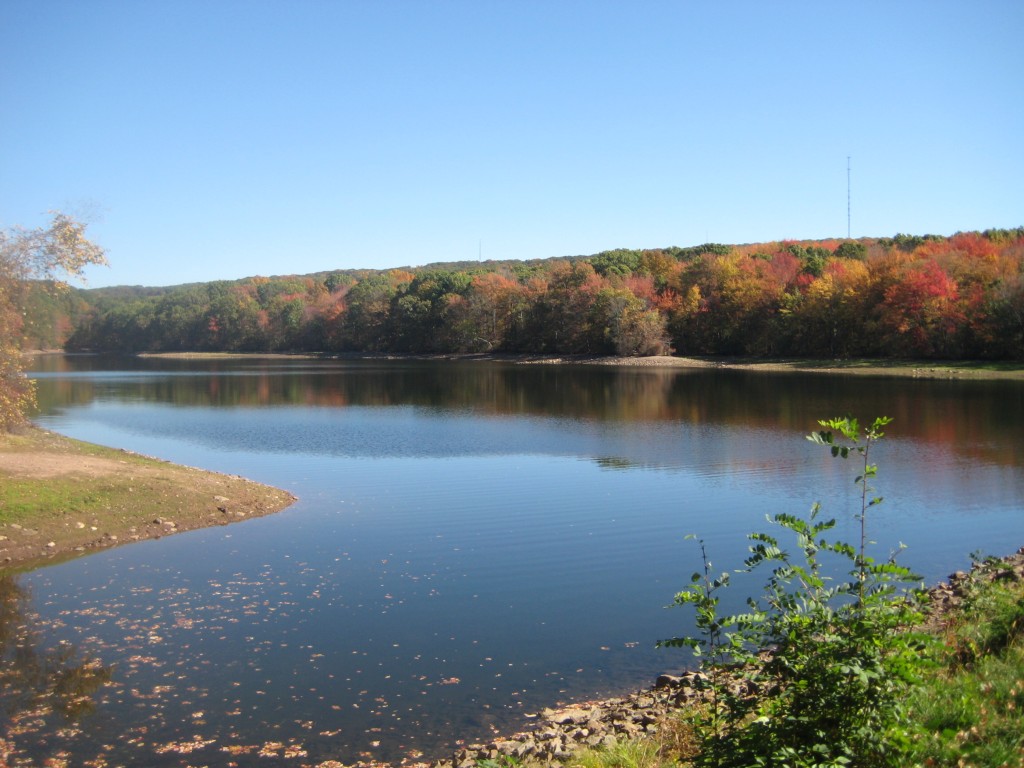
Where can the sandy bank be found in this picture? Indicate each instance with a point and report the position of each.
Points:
(60, 498)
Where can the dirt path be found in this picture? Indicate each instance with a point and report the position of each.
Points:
(60, 498)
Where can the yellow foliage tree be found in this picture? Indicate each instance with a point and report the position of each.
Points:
(46, 255)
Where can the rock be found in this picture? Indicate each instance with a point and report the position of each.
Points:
(668, 681)
(643, 702)
(571, 717)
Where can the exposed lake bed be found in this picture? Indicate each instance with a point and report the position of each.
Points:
(98, 497)
(472, 543)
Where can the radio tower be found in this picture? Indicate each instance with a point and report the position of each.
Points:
(847, 197)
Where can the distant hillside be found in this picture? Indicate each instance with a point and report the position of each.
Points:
(915, 296)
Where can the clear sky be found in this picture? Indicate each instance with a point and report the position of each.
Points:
(218, 139)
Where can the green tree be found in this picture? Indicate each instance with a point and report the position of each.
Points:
(629, 327)
(564, 315)
(368, 319)
(620, 261)
(418, 314)
(851, 249)
(812, 258)
(29, 257)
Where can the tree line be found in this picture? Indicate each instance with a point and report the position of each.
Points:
(906, 296)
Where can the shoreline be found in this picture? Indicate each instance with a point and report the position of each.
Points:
(923, 369)
(559, 733)
(201, 498)
(63, 498)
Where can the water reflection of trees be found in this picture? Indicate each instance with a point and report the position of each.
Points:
(36, 682)
(966, 416)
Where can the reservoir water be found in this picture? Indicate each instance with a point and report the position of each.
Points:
(473, 541)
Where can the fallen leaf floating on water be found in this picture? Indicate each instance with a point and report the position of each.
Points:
(239, 749)
(271, 748)
(183, 747)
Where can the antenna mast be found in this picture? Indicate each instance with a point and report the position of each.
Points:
(847, 197)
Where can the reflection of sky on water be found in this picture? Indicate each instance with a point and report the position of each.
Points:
(381, 432)
(446, 569)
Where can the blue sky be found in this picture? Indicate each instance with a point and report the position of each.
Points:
(219, 140)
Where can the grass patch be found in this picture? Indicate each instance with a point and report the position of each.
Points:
(28, 501)
(623, 754)
(969, 711)
(62, 497)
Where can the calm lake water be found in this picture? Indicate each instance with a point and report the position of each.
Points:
(472, 542)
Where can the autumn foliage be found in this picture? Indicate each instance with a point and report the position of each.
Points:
(906, 296)
(33, 263)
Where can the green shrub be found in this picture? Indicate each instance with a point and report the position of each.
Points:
(817, 671)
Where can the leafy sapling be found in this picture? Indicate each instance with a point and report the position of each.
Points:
(722, 639)
(816, 672)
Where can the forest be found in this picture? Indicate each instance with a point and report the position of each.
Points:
(908, 296)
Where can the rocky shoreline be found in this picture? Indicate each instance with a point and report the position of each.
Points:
(558, 734)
